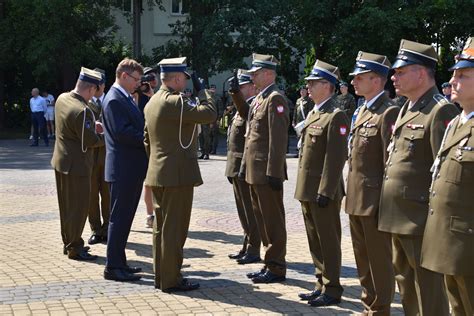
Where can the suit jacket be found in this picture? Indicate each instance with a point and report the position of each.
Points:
(415, 142)
(125, 153)
(267, 137)
(73, 133)
(371, 135)
(448, 241)
(236, 144)
(170, 164)
(323, 153)
(99, 151)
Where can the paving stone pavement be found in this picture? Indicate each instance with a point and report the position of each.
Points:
(36, 278)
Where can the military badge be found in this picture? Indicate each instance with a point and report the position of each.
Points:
(343, 130)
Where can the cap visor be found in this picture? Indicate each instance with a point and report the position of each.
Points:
(358, 71)
(312, 77)
(188, 76)
(254, 69)
(402, 63)
(462, 64)
(244, 82)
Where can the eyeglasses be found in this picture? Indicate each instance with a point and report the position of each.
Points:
(134, 78)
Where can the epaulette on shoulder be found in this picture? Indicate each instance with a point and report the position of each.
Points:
(440, 99)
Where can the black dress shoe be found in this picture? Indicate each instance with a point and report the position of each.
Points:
(95, 239)
(268, 277)
(237, 255)
(81, 256)
(248, 259)
(252, 275)
(120, 275)
(133, 270)
(324, 300)
(206, 157)
(85, 248)
(184, 286)
(309, 296)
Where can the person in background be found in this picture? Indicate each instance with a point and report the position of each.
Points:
(346, 100)
(39, 108)
(49, 113)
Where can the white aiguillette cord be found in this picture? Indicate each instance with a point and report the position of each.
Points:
(83, 126)
(181, 126)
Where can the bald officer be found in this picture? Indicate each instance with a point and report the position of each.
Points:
(171, 143)
(448, 243)
(242, 87)
(319, 186)
(73, 160)
(368, 153)
(265, 165)
(404, 207)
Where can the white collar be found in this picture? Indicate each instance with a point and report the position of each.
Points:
(318, 106)
(121, 89)
(465, 117)
(369, 103)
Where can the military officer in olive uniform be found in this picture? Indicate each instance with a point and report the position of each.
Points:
(319, 187)
(73, 160)
(368, 152)
(250, 251)
(98, 185)
(264, 164)
(416, 139)
(303, 105)
(448, 242)
(346, 100)
(171, 143)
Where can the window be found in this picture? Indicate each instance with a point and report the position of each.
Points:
(180, 7)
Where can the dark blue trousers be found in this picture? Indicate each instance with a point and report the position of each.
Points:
(39, 126)
(124, 198)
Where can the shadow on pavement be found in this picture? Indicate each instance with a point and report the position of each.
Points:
(216, 236)
(17, 154)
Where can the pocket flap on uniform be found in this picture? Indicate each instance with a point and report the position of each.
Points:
(238, 155)
(373, 182)
(315, 131)
(460, 225)
(466, 156)
(414, 134)
(261, 156)
(368, 132)
(415, 194)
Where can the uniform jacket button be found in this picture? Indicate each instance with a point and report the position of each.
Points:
(470, 231)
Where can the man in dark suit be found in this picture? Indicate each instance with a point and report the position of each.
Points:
(125, 165)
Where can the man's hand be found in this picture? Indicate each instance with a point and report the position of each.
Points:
(99, 128)
(231, 181)
(149, 92)
(198, 83)
(275, 183)
(234, 83)
(322, 201)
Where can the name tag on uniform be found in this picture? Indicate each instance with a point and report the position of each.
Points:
(415, 126)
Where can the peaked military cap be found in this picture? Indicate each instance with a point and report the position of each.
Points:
(466, 58)
(149, 70)
(322, 70)
(174, 65)
(343, 84)
(91, 76)
(411, 53)
(445, 85)
(263, 61)
(102, 73)
(244, 77)
(366, 62)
